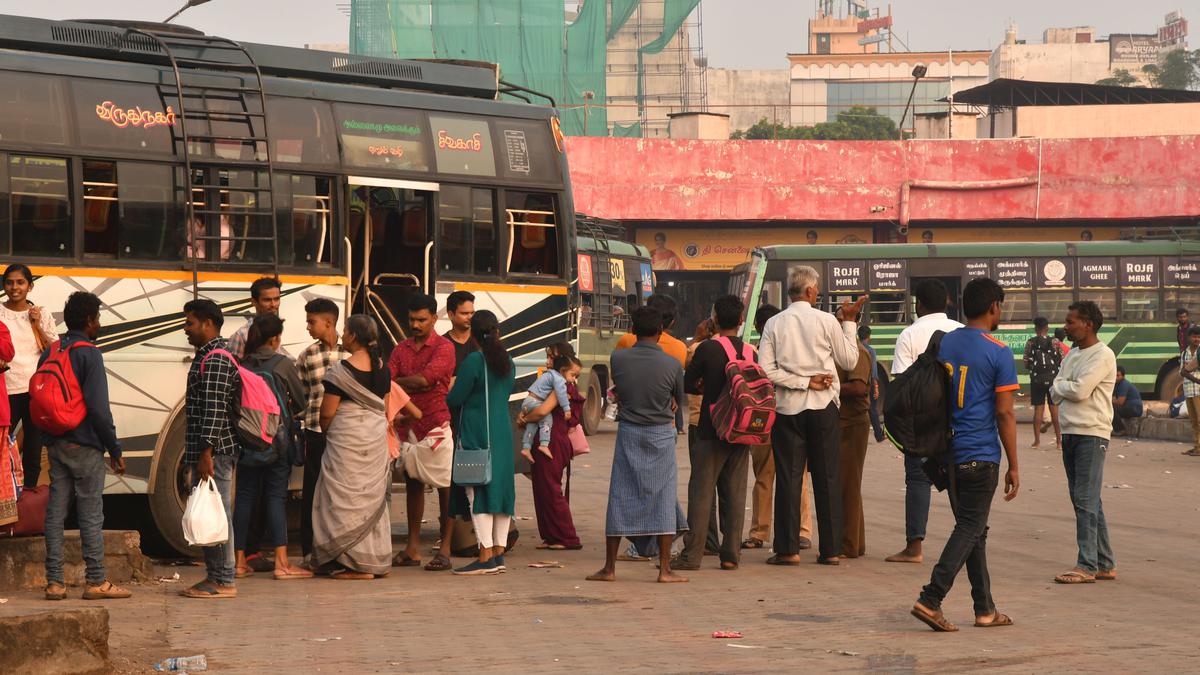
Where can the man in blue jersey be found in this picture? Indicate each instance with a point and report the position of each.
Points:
(983, 379)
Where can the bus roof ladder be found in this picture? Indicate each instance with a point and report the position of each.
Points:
(194, 71)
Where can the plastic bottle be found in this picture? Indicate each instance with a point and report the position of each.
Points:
(183, 663)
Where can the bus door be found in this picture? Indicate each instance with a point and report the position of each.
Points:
(953, 288)
(391, 242)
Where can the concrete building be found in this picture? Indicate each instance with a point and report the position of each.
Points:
(824, 84)
(748, 96)
(960, 125)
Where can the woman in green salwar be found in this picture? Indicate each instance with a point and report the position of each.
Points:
(482, 412)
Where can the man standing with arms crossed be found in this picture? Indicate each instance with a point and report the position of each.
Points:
(983, 380)
(1083, 391)
(800, 351)
(931, 297)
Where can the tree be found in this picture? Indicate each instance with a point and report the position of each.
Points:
(1179, 69)
(859, 123)
(1120, 78)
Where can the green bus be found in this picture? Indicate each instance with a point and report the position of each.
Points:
(1137, 284)
(614, 279)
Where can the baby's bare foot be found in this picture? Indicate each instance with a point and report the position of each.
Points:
(545, 450)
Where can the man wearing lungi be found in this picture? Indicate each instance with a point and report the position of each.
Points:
(642, 497)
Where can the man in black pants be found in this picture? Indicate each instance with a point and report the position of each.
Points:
(801, 350)
(321, 319)
(984, 379)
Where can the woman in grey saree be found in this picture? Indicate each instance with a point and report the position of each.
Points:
(352, 537)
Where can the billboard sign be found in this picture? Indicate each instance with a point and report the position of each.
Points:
(1132, 48)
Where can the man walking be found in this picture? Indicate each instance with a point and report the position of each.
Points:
(855, 420)
(77, 457)
(717, 466)
(1189, 368)
(211, 449)
(265, 295)
(931, 297)
(321, 316)
(422, 365)
(984, 379)
(642, 499)
(1084, 390)
(1183, 325)
(801, 350)
(1127, 403)
(1042, 360)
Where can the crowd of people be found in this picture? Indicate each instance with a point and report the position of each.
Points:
(361, 420)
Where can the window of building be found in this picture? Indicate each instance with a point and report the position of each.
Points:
(40, 206)
(467, 241)
(305, 220)
(888, 98)
(33, 109)
(533, 231)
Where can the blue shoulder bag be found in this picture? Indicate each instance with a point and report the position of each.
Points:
(473, 466)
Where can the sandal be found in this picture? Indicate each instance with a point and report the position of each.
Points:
(292, 573)
(1075, 577)
(209, 591)
(728, 566)
(440, 563)
(553, 547)
(243, 572)
(351, 575)
(56, 591)
(998, 620)
(753, 542)
(937, 621)
(780, 560)
(1106, 575)
(105, 591)
(402, 560)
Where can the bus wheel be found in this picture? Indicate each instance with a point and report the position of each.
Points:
(1168, 384)
(593, 406)
(171, 489)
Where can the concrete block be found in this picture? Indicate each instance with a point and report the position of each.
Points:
(1166, 429)
(23, 560)
(48, 643)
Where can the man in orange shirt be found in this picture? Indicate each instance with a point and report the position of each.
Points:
(645, 548)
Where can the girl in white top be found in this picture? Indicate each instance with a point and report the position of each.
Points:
(32, 330)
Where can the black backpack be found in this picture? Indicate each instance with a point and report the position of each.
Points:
(916, 417)
(1044, 358)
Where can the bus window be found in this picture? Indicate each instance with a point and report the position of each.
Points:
(773, 291)
(306, 236)
(886, 308)
(101, 214)
(302, 132)
(533, 233)
(41, 206)
(1017, 307)
(1105, 300)
(484, 242)
(375, 137)
(127, 117)
(467, 232)
(1189, 300)
(1139, 306)
(32, 109)
(527, 151)
(1052, 305)
(239, 199)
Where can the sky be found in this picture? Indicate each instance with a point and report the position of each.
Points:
(737, 33)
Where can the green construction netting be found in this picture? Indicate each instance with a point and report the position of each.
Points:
(530, 39)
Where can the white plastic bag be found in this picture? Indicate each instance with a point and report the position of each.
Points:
(204, 519)
(430, 459)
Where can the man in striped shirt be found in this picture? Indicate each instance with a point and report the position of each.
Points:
(321, 319)
(211, 448)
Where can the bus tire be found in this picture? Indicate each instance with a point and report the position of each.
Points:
(593, 406)
(170, 491)
(1169, 380)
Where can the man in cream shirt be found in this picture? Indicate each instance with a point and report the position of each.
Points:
(931, 297)
(801, 350)
(1083, 390)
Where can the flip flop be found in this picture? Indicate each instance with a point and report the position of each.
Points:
(729, 566)
(625, 557)
(552, 547)
(1075, 577)
(753, 543)
(780, 560)
(999, 621)
(207, 590)
(440, 563)
(351, 575)
(243, 572)
(937, 621)
(1106, 575)
(402, 560)
(284, 576)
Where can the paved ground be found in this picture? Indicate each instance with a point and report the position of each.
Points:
(848, 618)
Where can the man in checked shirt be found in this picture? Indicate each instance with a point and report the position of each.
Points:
(211, 449)
(322, 317)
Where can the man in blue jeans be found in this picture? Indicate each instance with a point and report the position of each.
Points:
(983, 381)
(211, 449)
(77, 458)
(1084, 391)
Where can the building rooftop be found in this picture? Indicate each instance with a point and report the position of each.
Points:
(1006, 93)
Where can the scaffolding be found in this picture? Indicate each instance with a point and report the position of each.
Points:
(613, 66)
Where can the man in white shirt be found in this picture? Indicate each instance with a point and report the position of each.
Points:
(931, 297)
(801, 350)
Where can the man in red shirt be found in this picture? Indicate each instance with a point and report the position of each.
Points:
(423, 365)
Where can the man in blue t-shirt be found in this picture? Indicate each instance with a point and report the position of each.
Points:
(1127, 402)
(983, 378)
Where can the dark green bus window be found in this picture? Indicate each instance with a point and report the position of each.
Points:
(41, 206)
(33, 109)
(375, 137)
(130, 211)
(526, 151)
(302, 132)
(127, 117)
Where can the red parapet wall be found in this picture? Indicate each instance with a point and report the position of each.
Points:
(1097, 178)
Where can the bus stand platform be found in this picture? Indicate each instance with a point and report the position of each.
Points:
(23, 561)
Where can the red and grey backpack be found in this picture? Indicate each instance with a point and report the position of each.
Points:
(56, 403)
(745, 411)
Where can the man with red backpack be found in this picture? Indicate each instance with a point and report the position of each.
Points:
(69, 403)
(720, 455)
